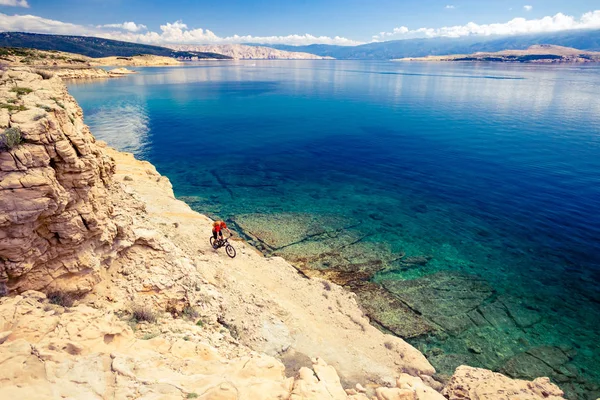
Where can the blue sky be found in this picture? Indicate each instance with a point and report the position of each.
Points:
(293, 21)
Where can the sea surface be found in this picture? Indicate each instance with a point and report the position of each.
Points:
(488, 170)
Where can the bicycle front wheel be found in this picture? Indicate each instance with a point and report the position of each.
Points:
(212, 242)
(230, 251)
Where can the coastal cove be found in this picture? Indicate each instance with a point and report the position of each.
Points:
(464, 196)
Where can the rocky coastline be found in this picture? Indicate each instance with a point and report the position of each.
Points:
(108, 289)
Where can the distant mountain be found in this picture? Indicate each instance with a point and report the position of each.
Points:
(579, 39)
(93, 46)
(543, 53)
(243, 52)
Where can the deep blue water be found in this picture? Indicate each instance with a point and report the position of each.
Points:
(493, 169)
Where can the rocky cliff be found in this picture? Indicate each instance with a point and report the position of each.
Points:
(110, 289)
(243, 52)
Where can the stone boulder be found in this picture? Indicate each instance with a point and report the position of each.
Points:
(481, 384)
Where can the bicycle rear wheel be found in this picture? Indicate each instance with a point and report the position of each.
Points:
(230, 250)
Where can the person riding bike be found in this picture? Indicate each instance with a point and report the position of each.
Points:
(217, 230)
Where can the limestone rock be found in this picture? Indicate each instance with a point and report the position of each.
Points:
(57, 218)
(481, 384)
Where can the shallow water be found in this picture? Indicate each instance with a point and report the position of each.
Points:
(491, 170)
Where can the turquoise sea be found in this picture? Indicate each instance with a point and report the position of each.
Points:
(490, 173)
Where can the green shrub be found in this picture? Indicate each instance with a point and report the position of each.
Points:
(21, 90)
(149, 336)
(13, 107)
(43, 107)
(192, 395)
(10, 138)
(200, 323)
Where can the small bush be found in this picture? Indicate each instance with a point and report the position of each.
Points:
(186, 338)
(10, 138)
(43, 107)
(190, 312)
(142, 313)
(64, 299)
(58, 102)
(192, 395)
(13, 107)
(149, 336)
(44, 74)
(200, 323)
(21, 90)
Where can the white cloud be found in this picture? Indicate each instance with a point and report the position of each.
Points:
(170, 33)
(450, 7)
(528, 8)
(558, 22)
(128, 26)
(14, 3)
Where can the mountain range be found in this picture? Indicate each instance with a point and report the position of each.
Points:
(94, 47)
(579, 39)
(97, 47)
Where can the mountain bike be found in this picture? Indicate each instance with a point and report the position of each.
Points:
(217, 244)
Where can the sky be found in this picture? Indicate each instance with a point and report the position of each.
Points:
(296, 22)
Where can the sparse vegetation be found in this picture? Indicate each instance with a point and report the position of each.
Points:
(13, 107)
(58, 102)
(190, 312)
(149, 336)
(200, 323)
(64, 299)
(186, 338)
(43, 107)
(326, 285)
(141, 313)
(10, 138)
(192, 395)
(21, 90)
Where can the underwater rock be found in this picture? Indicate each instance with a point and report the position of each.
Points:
(389, 312)
(524, 365)
(284, 229)
(444, 297)
(524, 317)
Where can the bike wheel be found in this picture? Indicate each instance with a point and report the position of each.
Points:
(230, 250)
(212, 242)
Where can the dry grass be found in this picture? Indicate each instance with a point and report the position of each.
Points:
(141, 313)
(64, 299)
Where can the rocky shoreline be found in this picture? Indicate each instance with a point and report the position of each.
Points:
(109, 291)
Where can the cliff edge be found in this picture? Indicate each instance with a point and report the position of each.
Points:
(109, 288)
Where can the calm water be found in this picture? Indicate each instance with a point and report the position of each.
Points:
(493, 170)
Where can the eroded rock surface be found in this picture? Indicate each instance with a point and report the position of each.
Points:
(57, 223)
(481, 384)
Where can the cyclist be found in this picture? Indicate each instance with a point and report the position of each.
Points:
(217, 230)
